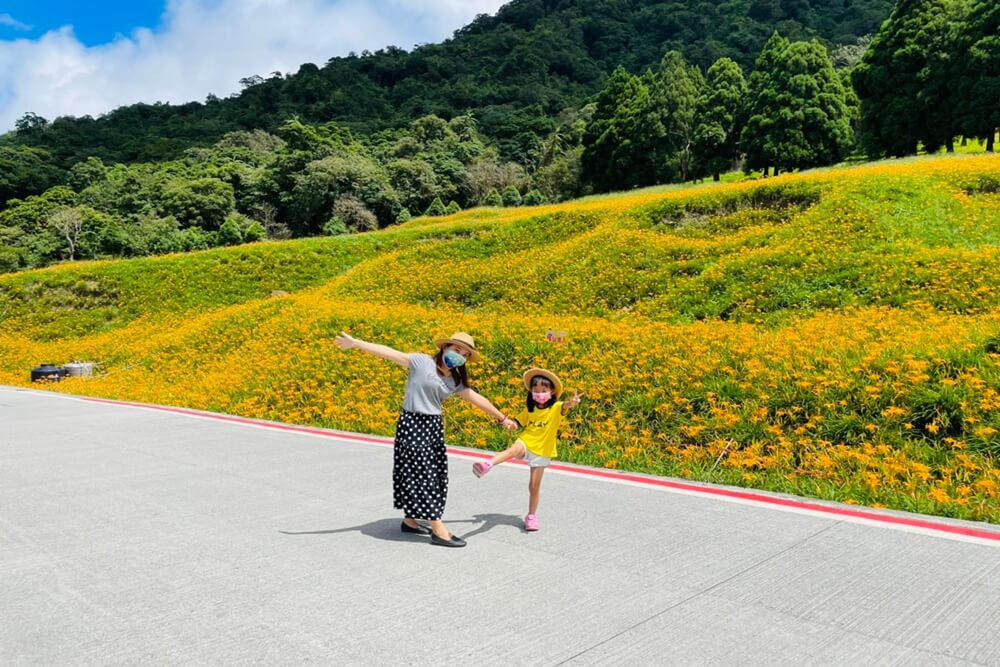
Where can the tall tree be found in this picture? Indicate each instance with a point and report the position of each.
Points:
(604, 134)
(978, 51)
(798, 114)
(904, 79)
(642, 157)
(762, 98)
(643, 128)
(720, 117)
(679, 87)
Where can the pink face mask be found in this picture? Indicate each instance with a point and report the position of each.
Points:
(541, 397)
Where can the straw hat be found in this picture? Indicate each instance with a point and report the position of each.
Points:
(462, 339)
(548, 375)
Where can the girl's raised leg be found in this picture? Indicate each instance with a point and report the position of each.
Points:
(516, 450)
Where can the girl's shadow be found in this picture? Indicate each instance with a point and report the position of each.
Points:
(388, 529)
(492, 520)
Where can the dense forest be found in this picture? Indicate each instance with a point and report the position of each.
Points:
(548, 100)
(514, 72)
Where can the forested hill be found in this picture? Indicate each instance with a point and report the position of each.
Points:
(514, 71)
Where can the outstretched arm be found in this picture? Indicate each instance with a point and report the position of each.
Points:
(572, 402)
(346, 342)
(483, 404)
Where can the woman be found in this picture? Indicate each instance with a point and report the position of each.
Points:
(420, 460)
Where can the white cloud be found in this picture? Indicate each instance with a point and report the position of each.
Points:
(11, 22)
(206, 46)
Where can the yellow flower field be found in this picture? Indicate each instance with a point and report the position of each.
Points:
(834, 334)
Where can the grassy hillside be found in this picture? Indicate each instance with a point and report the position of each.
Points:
(834, 334)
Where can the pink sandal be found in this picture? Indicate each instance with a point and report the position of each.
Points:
(531, 523)
(480, 468)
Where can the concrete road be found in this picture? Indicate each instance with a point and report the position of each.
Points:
(133, 535)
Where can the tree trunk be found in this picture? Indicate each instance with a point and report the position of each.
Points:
(989, 142)
(716, 177)
(766, 169)
(950, 144)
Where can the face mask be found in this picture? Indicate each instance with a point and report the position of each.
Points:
(453, 359)
(541, 397)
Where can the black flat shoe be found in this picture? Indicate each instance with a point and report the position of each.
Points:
(453, 542)
(419, 530)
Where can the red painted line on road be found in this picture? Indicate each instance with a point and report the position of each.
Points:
(786, 502)
(597, 473)
(245, 420)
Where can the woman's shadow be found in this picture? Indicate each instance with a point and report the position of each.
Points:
(388, 529)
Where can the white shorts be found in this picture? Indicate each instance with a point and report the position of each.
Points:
(534, 460)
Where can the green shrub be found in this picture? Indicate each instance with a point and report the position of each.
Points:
(511, 196)
(493, 198)
(533, 198)
(436, 208)
(334, 227)
(10, 259)
(230, 232)
(254, 232)
(196, 238)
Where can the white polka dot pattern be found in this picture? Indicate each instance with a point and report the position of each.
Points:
(420, 466)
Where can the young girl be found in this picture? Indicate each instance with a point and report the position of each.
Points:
(540, 420)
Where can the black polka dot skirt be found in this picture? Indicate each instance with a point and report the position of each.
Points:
(420, 466)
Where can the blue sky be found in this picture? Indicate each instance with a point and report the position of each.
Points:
(80, 57)
(93, 22)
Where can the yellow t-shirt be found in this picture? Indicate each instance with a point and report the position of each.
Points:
(541, 428)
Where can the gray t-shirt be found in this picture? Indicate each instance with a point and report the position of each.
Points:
(425, 389)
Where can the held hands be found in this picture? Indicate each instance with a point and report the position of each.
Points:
(345, 341)
(508, 424)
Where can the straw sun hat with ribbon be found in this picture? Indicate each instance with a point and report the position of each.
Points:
(461, 339)
(548, 375)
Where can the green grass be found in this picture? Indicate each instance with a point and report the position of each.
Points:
(79, 298)
(773, 249)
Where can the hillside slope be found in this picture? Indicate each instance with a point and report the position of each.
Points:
(833, 334)
(515, 71)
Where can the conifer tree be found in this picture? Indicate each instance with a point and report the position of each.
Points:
(604, 135)
(978, 80)
(905, 79)
(720, 117)
(436, 208)
(798, 115)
